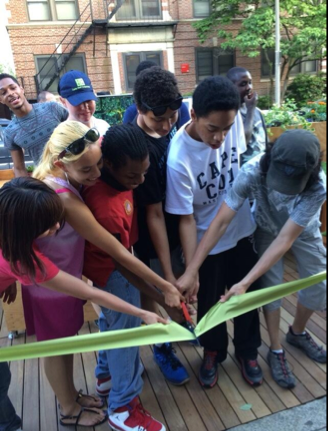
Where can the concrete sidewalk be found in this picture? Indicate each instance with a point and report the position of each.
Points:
(308, 417)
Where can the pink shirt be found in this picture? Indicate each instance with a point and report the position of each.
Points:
(8, 277)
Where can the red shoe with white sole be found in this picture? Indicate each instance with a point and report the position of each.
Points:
(134, 417)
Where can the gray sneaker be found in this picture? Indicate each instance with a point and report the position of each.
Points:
(308, 345)
(280, 370)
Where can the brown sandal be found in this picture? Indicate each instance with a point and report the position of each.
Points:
(78, 417)
(91, 397)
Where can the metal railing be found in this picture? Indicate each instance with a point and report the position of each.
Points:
(65, 49)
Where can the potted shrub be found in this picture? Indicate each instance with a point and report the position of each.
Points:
(289, 116)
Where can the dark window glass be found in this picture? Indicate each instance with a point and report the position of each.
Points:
(266, 67)
(132, 61)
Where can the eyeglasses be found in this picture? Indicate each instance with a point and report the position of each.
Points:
(78, 146)
(160, 110)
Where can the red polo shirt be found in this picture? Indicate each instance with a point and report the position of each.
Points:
(115, 211)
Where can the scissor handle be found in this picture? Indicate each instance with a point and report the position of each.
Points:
(186, 313)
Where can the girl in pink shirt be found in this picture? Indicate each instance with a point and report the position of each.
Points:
(30, 210)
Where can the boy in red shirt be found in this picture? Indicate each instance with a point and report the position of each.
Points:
(126, 162)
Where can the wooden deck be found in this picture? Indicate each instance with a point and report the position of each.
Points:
(188, 408)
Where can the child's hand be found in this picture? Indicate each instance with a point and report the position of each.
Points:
(236, 290)
(9, 295)
(188, 285)
(151, 318)
(173, 298)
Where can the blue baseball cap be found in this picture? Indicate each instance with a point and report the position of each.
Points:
(75, 86)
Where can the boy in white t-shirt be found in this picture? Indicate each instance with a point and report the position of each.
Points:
(202, 165)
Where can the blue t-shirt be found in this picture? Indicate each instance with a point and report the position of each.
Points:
(32, 132)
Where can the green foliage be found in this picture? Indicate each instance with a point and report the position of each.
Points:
(315, 111)
(112, 108)
(265, 102)
(286, 115)
(306, 88)
(303, 28)
(5, 68)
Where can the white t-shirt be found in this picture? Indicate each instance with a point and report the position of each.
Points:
(199, 178)
(101, 125)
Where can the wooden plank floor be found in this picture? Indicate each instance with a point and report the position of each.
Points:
(232, 402)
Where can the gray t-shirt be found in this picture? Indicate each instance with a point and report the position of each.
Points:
(272, 209)
(257, 144)
(31, 133)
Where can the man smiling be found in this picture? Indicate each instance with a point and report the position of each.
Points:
(32, 126)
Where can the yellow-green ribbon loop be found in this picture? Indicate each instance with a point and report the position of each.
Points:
(158, 333)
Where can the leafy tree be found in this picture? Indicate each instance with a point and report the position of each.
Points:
(303, 30)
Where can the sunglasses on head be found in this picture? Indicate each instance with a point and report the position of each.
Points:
(158, 111)
(77, 147)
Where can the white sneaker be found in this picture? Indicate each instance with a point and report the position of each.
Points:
(133, 417)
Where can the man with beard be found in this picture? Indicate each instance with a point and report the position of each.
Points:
(32, 126)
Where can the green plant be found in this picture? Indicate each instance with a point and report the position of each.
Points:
(305, 88)
(303, 31)
(30, 169)
(265, 102)
(315, 111)
(286, 115)
(112, 108)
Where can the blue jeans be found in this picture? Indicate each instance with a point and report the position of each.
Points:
(122, 364)
(9, 421)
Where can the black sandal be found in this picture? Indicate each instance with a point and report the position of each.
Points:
(91, 397)
(78, 417)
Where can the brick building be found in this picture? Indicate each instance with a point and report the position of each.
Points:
(46, 42)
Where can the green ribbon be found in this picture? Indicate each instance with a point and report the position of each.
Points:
(157, 333)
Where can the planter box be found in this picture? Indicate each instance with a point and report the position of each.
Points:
(320, 129)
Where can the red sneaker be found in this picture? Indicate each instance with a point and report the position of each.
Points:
(134, 417)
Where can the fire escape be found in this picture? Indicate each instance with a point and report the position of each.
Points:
(84, 26)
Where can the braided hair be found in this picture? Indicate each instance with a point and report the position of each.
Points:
(123, 142)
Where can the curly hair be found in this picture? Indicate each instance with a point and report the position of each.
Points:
(123, 142)
(155, 87)
(266, 161)
(215, 94)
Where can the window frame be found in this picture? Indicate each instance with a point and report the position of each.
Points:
(215, 60)
(302, 67)
(139, 16)
(53, 10)
(200, 16)
(142, 56)
(41, 56)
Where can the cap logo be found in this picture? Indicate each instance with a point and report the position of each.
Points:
(80, 84)
(289, 170)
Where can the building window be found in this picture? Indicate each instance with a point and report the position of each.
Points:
(132, 61)
(52, 10)
(268, 68)
(202, 8)
(47, 67)
(213, 61)
(310, 66)
(139, 9)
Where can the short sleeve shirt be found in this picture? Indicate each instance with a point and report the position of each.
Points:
(273, 209)
(258, 140)
(32, 132)
(114, 210)
(199, 178)
(7, 277)
(151, 192)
